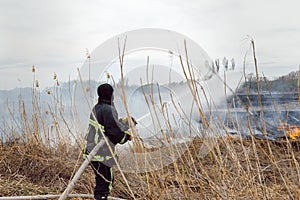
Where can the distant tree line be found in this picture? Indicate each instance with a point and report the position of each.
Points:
(287, 83)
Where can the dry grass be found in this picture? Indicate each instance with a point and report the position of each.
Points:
(229, 171)
(33, 169)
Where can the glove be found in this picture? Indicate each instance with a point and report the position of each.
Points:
(125, 122)
(129, 136)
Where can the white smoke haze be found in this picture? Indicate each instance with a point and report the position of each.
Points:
(167, 80)
(168, 117)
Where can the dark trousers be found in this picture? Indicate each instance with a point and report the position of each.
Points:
(104, 179)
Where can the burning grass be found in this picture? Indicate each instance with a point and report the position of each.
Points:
(292, 131)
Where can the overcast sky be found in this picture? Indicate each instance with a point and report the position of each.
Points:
(53, 35)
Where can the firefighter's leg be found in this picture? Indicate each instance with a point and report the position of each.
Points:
(104, 177)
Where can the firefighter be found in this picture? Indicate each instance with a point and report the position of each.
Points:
(106, 118)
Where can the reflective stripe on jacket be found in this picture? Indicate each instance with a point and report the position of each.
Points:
(93, 138)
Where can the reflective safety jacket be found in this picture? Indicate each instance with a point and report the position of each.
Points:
(106, 119)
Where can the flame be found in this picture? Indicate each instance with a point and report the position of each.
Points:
(291, 130)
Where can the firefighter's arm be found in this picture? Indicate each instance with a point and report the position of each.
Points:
(113, 129)
(125, 123)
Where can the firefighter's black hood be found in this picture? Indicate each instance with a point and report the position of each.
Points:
(105, 93)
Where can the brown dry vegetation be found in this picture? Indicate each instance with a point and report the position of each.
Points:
(234, 169)
(29, 168)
